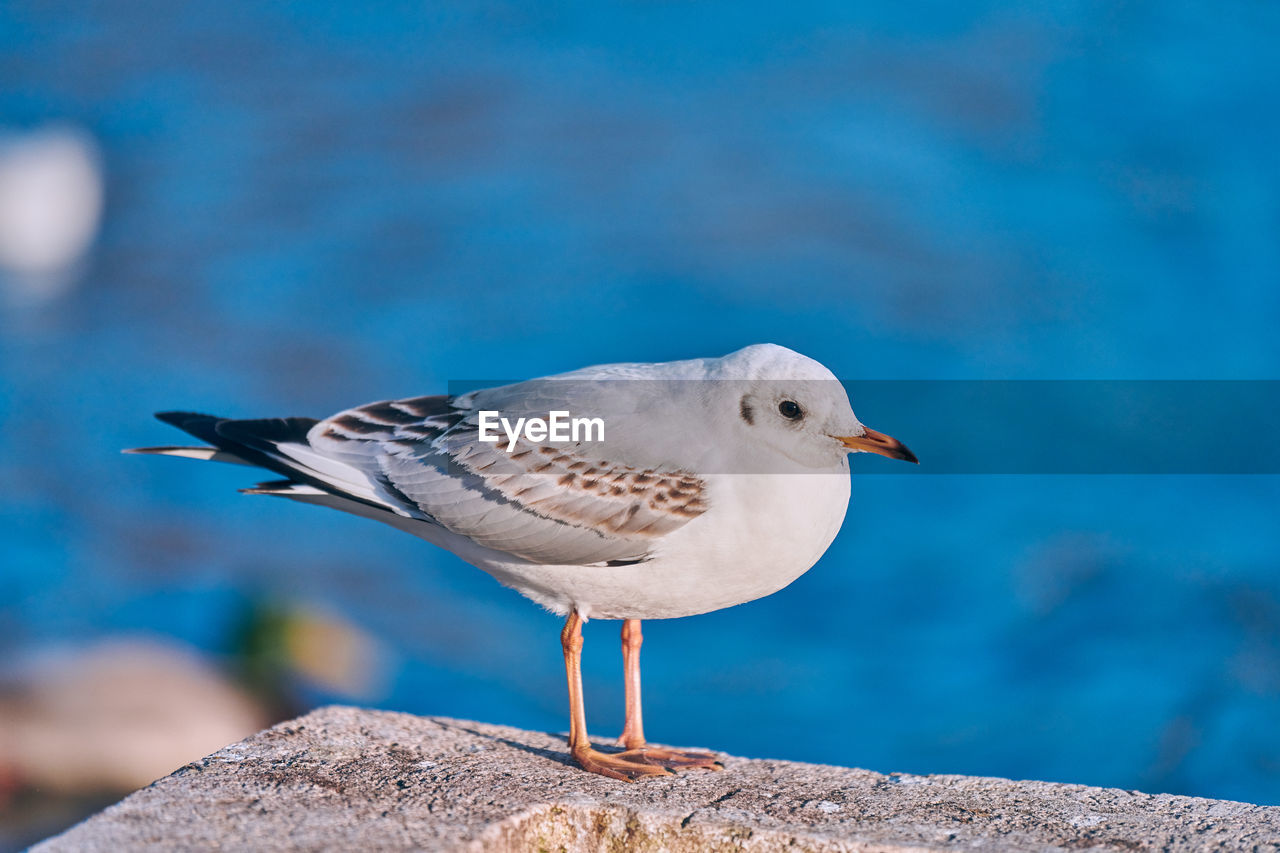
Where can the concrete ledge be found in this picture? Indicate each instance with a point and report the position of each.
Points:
(345, 778)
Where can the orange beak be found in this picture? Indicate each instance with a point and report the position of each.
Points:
(877, 442)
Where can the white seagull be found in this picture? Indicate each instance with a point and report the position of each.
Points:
(716, 482)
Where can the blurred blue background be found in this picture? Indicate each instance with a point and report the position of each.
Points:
(312, 206)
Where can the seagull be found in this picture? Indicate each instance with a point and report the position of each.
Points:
(710, 483)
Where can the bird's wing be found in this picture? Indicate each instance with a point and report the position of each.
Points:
(555, 503)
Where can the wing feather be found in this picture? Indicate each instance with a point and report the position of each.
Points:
(548, 503)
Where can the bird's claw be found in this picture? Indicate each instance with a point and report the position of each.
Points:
(616, 765)
(644, 762)
(673, 759)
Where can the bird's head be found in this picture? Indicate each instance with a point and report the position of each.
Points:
(797, 407)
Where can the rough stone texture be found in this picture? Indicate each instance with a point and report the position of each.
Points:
(345, 778)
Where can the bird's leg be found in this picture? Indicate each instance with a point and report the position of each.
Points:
(589, 758)
(633, 731)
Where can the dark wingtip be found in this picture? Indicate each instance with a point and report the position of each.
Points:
(268, 431)
(203, 427)
(178, 418)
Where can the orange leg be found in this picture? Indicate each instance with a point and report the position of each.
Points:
(618, 766)
(633, 731)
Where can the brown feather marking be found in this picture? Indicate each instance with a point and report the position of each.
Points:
(357, 426)
(385, 412)
(420, 430)
(587, 493)
(425, 407)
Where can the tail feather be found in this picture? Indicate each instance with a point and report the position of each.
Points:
(304, 493)
(210, 454)
(203, 427)
(284, 489)
(279, 445)
(265, 433)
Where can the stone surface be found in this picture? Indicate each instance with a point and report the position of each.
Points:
(345, 778)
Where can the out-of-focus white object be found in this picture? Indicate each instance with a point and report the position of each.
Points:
(51, 196)
(116, 716)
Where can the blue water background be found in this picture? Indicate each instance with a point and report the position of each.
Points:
(315, 206)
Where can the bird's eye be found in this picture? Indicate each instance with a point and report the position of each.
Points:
(790, 410)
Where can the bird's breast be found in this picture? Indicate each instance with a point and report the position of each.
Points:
(760, 533)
